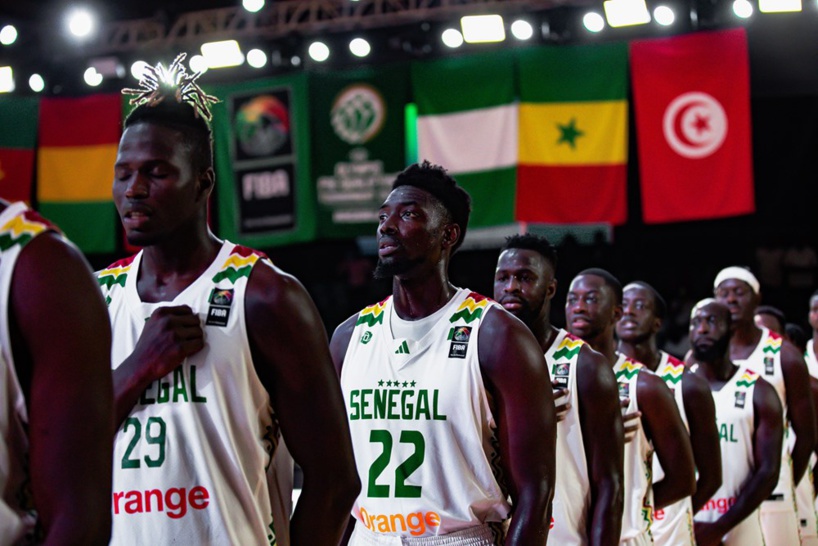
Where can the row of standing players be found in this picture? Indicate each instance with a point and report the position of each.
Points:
(445, 399)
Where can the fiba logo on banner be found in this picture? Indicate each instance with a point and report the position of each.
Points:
(695, 125)
(358, 114)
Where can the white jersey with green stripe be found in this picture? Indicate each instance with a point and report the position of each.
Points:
(637, 513)
(673, 524)
(735, 416)
(422, 426)
(192, 461)
(18, 226)
(572, 490)
(765, 360)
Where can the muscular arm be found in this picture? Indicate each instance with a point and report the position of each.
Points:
(171, 334)
(769, 434)
(704, 437)
(292, 359)
(800, 412)
(664, 427)
(61, 337)
(517, 377)
(602, 436)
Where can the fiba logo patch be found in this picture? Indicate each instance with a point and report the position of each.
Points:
(262, 126)
(695, 125)
(358, 114)
(219, 312)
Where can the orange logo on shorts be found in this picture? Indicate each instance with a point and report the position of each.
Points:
(415, 523)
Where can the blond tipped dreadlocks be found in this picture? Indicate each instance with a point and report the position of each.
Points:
(158, 83)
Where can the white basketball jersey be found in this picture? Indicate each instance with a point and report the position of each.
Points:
(735, 416)
(18, 226)
(572, 490)
(422, 426)
(765, 360)
(191, 460)
(805, 490)
(673, 524)
(637, 513)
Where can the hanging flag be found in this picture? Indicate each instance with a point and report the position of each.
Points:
(18, 137)
(78, 139)
(467, 123)
(262, 148)
(573, 134)
(358, 136)
(692, 99)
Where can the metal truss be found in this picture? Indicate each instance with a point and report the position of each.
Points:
(281, 18)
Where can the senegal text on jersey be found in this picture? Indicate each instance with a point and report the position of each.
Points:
(159, 392)
(407, 404)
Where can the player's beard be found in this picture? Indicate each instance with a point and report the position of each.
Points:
(715, 351)
(529, 313)
(389, 269)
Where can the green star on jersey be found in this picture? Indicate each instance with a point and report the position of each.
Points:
(569, 133)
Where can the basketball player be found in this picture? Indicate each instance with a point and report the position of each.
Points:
(55, 388)
(750, 423)
(592, 309)
(587, 507)
(772, 318)
(213, 349)
(643, 311)
(445, 390)
(780, 364)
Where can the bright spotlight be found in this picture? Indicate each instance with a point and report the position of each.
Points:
(138, 68)
(622, 13)
(252, 5)
(80, 23)
(6, 79)
(664, 15)
(318, 51)
(482, 28)
(222, 54)
(256, 58)
(742, 8)
(779, 6)
(522, 30)
(36, 83)
(295, 60)
(8, 35)
(198, 64)
(593, 21)
(452, 37)
(92, 77)
(359, 47)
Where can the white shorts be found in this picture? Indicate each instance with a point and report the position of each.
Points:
(779, 526)
(480, 535)
(748, 533)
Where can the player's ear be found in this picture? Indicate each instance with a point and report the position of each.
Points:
(451, 234)
(207, 180)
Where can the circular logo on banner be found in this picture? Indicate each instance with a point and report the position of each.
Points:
(358, 113)
(695, 125)
(262, 126)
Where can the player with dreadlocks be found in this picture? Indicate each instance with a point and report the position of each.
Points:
(214, 348)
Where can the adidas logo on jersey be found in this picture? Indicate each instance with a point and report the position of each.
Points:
(403, 348)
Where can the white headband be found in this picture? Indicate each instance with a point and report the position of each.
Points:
(735, 272)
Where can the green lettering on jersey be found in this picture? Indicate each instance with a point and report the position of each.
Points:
(727, 434)
(179, 387)
(197, 398)
(422, 408)
(354, 406)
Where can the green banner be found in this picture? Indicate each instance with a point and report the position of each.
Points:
(262, 145)
(358, 132)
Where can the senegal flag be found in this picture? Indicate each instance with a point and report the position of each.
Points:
(573, 134)
(75, 167)
(18, 136)
(467, 123)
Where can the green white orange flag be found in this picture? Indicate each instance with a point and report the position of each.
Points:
(573, 134)
(467, 122)
(18, 136)
(78, 139)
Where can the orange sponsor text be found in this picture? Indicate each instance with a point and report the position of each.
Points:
(174, 502)
(415, 523)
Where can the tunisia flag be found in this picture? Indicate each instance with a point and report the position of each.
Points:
(692, 106)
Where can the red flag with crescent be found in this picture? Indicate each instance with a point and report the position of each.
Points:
(692, 107)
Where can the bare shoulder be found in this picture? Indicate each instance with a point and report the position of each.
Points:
(765, 399)
(506, 343)
(340, 341)
(270, 286)
(791, 357)
(694, 385)
(651, 386)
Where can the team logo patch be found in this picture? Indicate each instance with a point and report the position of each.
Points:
(624, 390)
(560, 372)
(219, 312)
(460, 336)
(741, 396)
(769, 368)
(366, 337)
